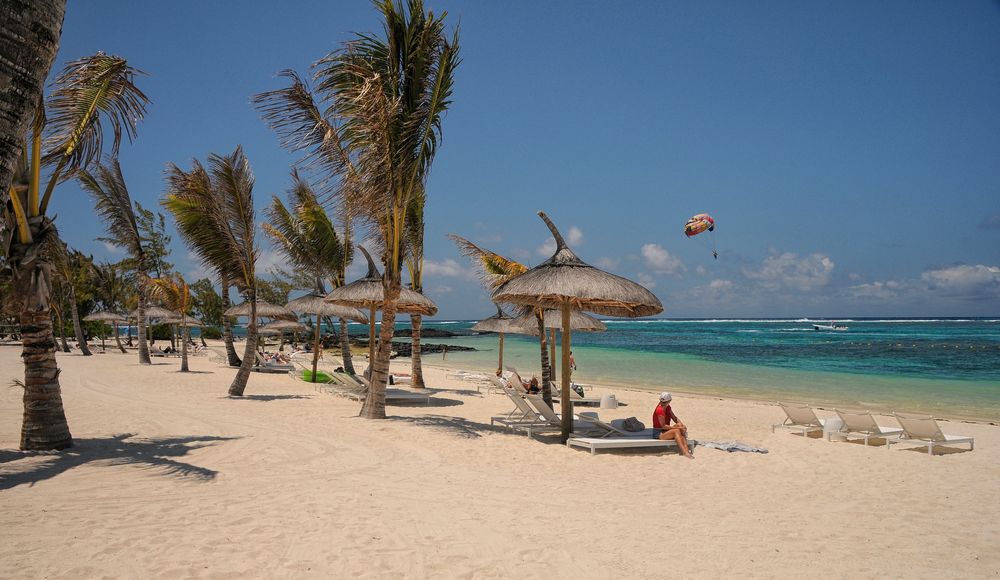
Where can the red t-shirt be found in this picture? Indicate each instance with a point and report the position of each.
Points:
(662, 416)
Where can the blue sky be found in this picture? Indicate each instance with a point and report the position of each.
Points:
(849, 151)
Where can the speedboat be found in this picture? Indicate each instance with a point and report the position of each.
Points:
(831, 326)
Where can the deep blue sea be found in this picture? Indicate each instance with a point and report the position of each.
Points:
(949, 367)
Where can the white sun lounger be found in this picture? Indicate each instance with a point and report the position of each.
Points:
(799, 416)
(522, 413)
(924, 429)
(863, 423)
(596, 443)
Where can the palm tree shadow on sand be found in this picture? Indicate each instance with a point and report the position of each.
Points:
(152, 454)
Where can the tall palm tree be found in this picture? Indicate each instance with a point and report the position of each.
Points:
(213, 209)
(377, 137)
(494, 270)
(88, 93)
(29, 41)
(227, 324)
(75, 271)
(415, 268)
(306, 235)
(113, 205)
(110, 287)
(175, 295)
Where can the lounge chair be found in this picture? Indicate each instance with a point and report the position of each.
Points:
(263, 366)
(801, 417)
(578, 399)
(925, 429)
(596, 443)
(863, 423)
(552, 420)
(522, 414)
(392, 395)
(615, 429)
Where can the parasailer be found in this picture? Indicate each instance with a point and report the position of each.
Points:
(699, 224)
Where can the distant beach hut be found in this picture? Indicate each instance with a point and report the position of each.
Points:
(316, 304)
(368, 293)
(566, 283)
(500, 323)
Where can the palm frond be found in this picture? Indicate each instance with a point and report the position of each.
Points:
(87, 90)
(114, 206)
(494, 269)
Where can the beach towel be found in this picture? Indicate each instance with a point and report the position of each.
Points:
(731, 446)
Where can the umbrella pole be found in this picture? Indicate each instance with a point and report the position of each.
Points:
(500, 363)
(567, 405)
(371, 342)
(552, 355)
(316, 350)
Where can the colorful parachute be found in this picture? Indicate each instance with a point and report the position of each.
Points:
(699, 223)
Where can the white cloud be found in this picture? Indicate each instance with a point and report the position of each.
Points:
(607, 263)
(573, 237)
(659, 260)
(448, 267)
(440, 290)
(112, 249)
(787, 270)
(716, 290)
(701, 271)
(267, 260)
(964, 282)
(888, 290)
(646, 280)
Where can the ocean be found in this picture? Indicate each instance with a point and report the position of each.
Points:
(947, 367)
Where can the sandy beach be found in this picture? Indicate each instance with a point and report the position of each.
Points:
(169, 478)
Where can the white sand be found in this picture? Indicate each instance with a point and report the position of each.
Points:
(169, 478)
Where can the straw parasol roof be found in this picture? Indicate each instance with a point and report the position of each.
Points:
(499, 322)
(157, 312)
(369, 293)
(185, 320)
(316, 304)
(578, 321)
(567, 283)
(106, 316)
(264, 310)
(284, 326)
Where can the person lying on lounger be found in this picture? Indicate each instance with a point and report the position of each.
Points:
(662, 416)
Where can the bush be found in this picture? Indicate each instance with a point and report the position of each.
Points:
(211, 333)
(161, 332)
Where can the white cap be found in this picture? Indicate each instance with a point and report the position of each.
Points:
(665, 397)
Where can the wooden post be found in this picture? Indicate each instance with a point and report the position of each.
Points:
(552, 355)
(500, 364)
(567, 404)
(316, 349)
(371, 340)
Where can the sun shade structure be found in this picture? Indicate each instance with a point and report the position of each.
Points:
(368, 293)
(264, 310)
(284, 326)
(317, 304)
(552, 319)
(567, 283)
(106, 317)
(185, 320)
(156, 313)
(501, 324)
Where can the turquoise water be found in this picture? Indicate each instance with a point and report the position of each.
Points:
(948, 367)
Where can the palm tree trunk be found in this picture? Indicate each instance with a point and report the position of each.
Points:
(227, 327)
(44, 425)
(374, 406)
(201, 336)
(77, 328)
(128, 333)
(62, 329)
(29, 39)
(319, 319)
(118, 338)
(546, 369)
(416, 369)
(184, 348)
(249, 354)
(345, 348)
(140, 314)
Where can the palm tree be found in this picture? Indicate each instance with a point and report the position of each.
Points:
(110, 287)
(213, 209)
(113, 205)
(494, 270)
(175, 295)
(75, 270)
(306, 235)
(88, 92)
(385, 98)
(29, 41)
(415, 267)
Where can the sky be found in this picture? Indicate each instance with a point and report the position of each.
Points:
(848, 151)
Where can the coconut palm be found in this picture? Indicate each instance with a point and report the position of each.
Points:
(88, 94)
(213, 209)
(113, 205)
(110, 288)
(494, 271)
(29, 41)
(174, 293)
(377, 137)
(304, 233)
(415, 268)
(76, 271)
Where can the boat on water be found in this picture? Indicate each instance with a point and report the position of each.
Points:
(832, 326)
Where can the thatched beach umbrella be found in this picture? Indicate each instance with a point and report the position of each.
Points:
(156, 313)
(369, 293)
(567, 283)
(552, 319)
(316, 304)
(501, 324)
(264, 310)
(108, 316)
